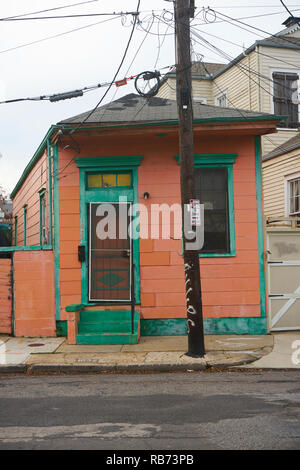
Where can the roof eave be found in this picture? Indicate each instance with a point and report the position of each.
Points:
(38, 153)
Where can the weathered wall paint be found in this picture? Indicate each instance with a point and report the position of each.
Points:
(29, 194)
(212, 326)
(34, 299)
(5, 296)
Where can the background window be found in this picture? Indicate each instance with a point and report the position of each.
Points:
(211, 185)
(285, 92)
(221, 100)
(294, 197)
(199, 99)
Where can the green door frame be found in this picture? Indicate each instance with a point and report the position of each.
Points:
(100, 164)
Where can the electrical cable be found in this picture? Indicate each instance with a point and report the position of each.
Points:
(290, 13)
(69, 16)
(50, 9)
(115, 76)
(128, 69)
(57, 35)
(241, 112)
(249, 76)
(264, 77)
(254, 27)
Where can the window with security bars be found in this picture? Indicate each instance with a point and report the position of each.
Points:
(211, 186)
(294, 197)
(285, 98)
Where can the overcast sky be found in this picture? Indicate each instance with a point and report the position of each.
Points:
(91, 55)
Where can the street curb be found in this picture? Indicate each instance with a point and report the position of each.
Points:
(97, 368)
(32, 369)
(35, 369)
(13, 369)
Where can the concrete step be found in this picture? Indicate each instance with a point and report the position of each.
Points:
(107, 327)
(93, 316)
(106, 338)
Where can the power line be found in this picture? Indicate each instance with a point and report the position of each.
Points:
(57, 35)
(253, 6)
(256, 52)
(115, 76)
(285, 39)
(121, 13)
(68, 94)
(249, 76)
(230, 58)
(283, 4)
(50, 9)
(131, 63)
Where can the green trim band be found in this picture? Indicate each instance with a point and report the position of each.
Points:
(260, 235)
(56, 230)
(212, 158)
(8, 249)
(212, 326)
(92, 162)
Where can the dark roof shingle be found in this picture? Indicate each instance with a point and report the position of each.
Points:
(287, 146)
(134, 108)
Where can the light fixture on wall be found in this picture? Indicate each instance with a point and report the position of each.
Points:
(146, 195)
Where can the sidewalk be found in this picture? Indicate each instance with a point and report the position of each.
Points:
(153, 353)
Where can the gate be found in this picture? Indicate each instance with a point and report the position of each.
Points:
(283, 273)
(6, 296)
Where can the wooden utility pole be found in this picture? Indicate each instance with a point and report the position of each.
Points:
(184, 10)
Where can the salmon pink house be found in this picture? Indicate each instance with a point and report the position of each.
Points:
(117, 170)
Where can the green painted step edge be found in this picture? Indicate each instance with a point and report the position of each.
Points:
(212, 326)
(107, 339)
(93, 316)
(106, 328)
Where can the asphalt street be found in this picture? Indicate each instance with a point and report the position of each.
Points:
(171, 411)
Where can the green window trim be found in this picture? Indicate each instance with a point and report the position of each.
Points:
(260, 226)
(212, 158)
(225, 160)
(16, 230)
(42, 205)
(25, 223)
(100, 164)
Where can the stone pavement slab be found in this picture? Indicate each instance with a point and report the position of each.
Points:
(3, 338)
(18, 350)
(285, 353)
(152, 353)
(87, 358)
(88, 348)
